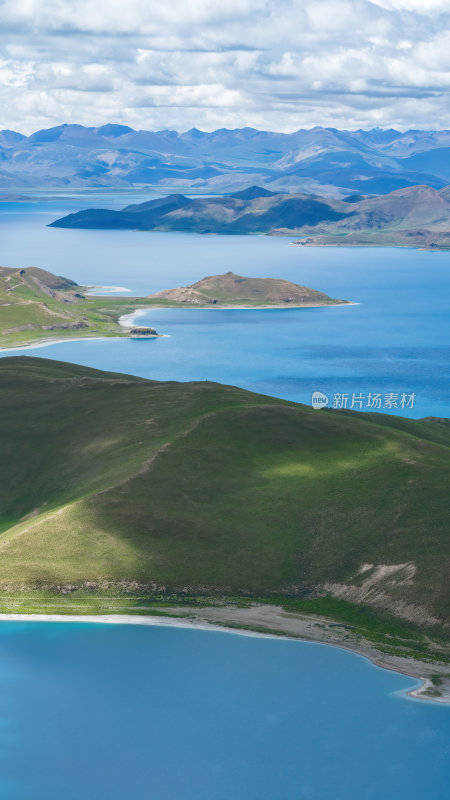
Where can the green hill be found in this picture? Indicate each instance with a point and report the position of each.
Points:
(37, 305)
(111, 483)
(33, 299)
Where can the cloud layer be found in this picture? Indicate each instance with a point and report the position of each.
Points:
(274, 64)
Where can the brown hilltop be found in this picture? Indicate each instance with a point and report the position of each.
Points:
(235, 290)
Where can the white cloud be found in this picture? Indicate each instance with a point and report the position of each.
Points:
(280, 64)
(418, 6)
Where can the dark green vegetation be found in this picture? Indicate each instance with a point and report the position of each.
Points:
(114, 484)
(35, 305)
(417, 216)
(234, 290)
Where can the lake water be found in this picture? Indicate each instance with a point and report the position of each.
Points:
(124, 712)
(118, 712)
(396, 340)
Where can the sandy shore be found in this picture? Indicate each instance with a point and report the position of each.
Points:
(47, 342)
(128, 320)
(218, 307)
(125, 321)
(272, 622)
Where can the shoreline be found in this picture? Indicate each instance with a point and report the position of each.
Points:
(217, 307)
(127, 320)
(188, 620)
(47, 342)
(405, 246)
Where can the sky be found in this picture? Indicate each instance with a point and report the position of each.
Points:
(270, 64)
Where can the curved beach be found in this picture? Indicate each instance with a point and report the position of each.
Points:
(252, 622)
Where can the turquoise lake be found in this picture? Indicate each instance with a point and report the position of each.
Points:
(396, 340)
(121, 712)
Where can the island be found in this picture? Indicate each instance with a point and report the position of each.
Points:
(143, 332)
(37, 306)
(219, 505)
(415, 216)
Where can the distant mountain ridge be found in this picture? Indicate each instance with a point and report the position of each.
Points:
(414, 216)
(320, 160)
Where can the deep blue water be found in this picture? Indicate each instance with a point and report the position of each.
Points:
(118, 712)
(397, 340)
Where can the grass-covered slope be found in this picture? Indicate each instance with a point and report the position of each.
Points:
(109, 480)
(34, 298)
(36, 305)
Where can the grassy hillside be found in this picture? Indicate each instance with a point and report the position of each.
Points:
(35, 305)
(110, 482)
(414, 216)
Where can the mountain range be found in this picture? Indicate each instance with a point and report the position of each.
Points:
(325, 161)
(417, 216)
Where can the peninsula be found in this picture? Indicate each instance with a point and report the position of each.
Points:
(37, 306)
(215, 503)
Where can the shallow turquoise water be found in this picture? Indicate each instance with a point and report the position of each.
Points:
(117, 711)
(397, 340)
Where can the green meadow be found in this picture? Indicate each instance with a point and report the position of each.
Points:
(114, 486)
